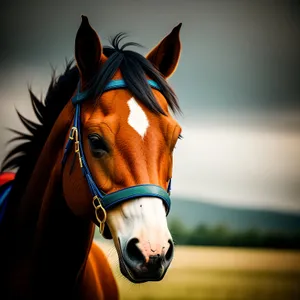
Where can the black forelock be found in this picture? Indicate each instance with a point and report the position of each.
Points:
(134, 69)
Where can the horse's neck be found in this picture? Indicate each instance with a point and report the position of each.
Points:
(53, 243)
(61, 244)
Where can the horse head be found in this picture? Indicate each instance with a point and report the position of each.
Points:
(124, 135)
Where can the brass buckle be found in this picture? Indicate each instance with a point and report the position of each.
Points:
(74, 136)
(99, 208)
(73, 133)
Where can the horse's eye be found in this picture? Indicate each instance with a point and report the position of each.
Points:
(97, 145)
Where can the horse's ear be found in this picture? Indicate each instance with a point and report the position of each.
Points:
(165, 55)
(88, 49)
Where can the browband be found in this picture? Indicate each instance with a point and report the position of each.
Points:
(112, 85)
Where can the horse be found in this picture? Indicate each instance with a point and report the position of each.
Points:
(101, 155)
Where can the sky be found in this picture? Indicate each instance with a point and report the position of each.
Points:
(238, 83)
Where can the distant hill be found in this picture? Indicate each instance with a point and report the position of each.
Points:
(192, 213)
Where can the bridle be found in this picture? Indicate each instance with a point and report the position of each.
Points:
(101, 201)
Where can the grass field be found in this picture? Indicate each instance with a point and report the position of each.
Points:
(219, 273)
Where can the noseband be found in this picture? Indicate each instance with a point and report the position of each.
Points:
(101, 201)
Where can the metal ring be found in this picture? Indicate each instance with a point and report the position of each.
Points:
(97, 205)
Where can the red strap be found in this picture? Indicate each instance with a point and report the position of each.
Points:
(6, 177)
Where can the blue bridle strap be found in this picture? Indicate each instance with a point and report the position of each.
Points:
(102, 201)
(112, 85)
(142, 190)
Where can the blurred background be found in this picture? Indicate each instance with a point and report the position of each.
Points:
(236, 181)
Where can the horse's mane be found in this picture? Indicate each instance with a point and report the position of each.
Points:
(134, 68)
(59, 92)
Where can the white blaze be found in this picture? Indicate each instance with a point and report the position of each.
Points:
(137, 118)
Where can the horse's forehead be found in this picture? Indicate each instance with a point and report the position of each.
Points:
(137, 118)
(121, 111)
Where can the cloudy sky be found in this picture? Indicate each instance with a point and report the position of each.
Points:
(238, 83)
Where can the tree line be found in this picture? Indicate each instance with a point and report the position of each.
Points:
(221, 235)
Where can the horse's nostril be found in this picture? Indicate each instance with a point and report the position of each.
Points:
(133, 252)
(170, 251)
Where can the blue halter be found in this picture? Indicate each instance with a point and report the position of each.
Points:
(101, 201)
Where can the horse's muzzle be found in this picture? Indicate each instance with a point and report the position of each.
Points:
(138, 269)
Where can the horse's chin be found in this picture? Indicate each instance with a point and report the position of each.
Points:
(137, 275)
